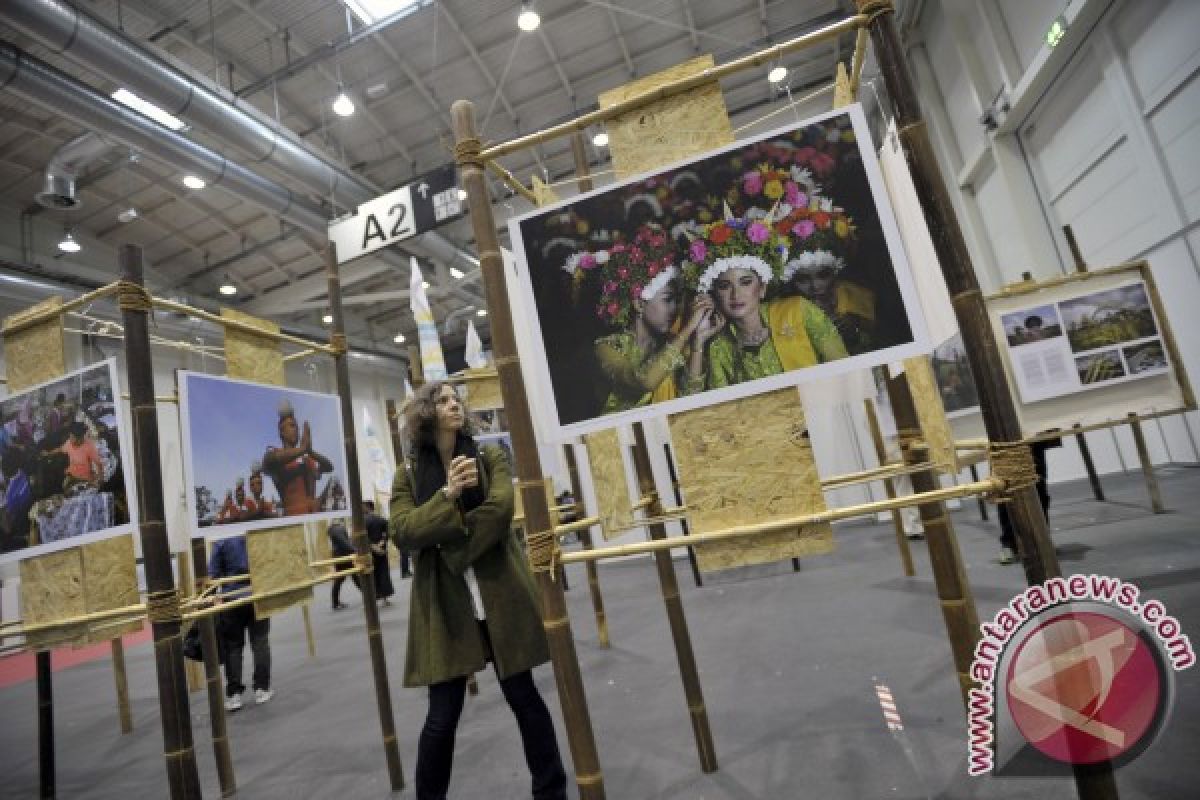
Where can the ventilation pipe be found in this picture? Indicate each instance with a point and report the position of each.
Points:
(43, 85)
(65, 165)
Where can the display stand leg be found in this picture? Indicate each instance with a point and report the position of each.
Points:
(309, 638)
(212, 678)
(674, 605)
(683, 523)
(1094, 782)
(1139, 439)
(531, 481)
(45, 704)
(187, 588)
(383, 693)
(889, 487)
(945, 559)
(585, 539)
(983, 513)
(122, 685)
(183, 779)
(1085, 453)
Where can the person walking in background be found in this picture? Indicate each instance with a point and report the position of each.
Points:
(377, 535)
(228, 559)
(340, 545)
(473, 597)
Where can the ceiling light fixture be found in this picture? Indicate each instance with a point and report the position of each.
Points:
(600, 139)
(227, 287)
(457, 273)
(528, 20)
(370, 11)
(146, 108)
(481, 312)
(398, 338)
(69, 245)
(424, 284)
(193, 182)
(343, 106)
(777, 74)
(128, 215)
(327, 319)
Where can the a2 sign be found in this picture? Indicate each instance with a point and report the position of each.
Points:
(415, 208)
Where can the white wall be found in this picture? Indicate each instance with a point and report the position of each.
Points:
(1109, 147)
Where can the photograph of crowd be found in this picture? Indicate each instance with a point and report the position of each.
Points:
(63, 476)
(724, 277)
(277, 460)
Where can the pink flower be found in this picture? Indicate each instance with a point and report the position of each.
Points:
(804, 228)
(636, 254)
(758, 233)
(698, 251)
(619, 247)
(653, 270)
(752, 183)
(636, 291)
(587, 261)
(610, 287)
(623, 273)
(822, 163)
(792, 194)
(613, 308)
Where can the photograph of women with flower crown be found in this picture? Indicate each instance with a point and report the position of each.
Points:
(773, 262)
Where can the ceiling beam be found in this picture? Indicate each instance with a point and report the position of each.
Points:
(562, 75)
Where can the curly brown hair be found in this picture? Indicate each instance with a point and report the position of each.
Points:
(420, 414)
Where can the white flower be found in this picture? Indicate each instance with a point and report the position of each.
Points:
(811, 261)
(601, 256)
(660, 280)
(752, 263)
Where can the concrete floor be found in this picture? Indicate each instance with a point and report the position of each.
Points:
(787, 663)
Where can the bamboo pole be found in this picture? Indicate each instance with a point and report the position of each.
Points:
(187, 591)
(572, 698)
(945, 559)
(683, 523)
(996, 400)
(124, 713)
(512, 181)
(309, 638)
(987, 485)
(228, 322)
(857, 61)
(889, 488)
(383, 694)
(1139, 440)
(212, 678)
(45, 703)
(1085, 453)
(757, 59)
(884, 472)
(183, 778)
(585, 539)
(669, 584)
(983, 512)
(66, 306)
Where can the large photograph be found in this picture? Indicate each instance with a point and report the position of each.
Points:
(955, 382)
(65, 477)
(259, 456)
(767, 264)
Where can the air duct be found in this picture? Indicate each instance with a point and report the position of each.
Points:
(40, 83)
(65, 165)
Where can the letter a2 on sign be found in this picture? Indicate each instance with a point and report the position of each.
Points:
(377, 223)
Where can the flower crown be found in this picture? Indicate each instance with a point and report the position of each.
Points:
(811, 261)
(737, 243)
(627, 272)
(818, 227)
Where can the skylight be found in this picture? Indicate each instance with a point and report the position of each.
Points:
(128, 98)
(370, 11)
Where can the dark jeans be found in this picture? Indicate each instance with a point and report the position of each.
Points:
(337, 585)
(435, 749)
(235, 625)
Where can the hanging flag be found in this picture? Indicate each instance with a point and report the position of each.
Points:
(380, 471)
(433, 365)
(474, 356)
(408, 390)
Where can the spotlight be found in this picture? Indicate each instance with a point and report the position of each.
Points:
(398, 338)
(424, 284)
(600, 139)
(227, 287)
(327, 319)
(343, 106)
(69, 245)
(481, 312)
(777, 75)
(528, 20)
(193, 182)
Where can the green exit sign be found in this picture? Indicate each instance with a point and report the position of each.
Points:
(1057, 30)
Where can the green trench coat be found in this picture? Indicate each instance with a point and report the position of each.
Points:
(444, 641)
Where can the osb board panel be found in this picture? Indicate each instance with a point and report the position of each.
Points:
(250, 357)
(110, 581)
(740, 474)
(52, 589)
(842, 95)
(35, 354)
(669, 130)
(278, 558)
(931, 414)
(483, 389)
(544, 195)
(608, 479)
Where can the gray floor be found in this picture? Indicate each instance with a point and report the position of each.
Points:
(787, 662)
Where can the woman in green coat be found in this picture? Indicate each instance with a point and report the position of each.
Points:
(473, 598)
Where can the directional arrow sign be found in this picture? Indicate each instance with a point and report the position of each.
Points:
(422, 205)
